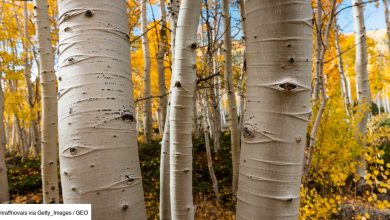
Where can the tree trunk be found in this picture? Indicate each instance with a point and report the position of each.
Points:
(241, 5)
(322, 44)
(277, 108)
(343, 79)
(317, 81)
(148, 120)
(49, 104)
(208, 153)
(165, 204)
(27, 74)
(182, 111)
(363, 86)
(98, 142)
(4, 195)
(232, 106)
(387, 19)
(162, 48)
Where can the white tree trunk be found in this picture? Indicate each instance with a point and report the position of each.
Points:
(165, 203)
(322, 47)
(277, 108)
(318, 22)
(343, 80)
(232, 106)
(162, 48)
(148, 121)
(387, 19)
(98, 142)
(4, 195)
(49, 104)
(213, 178)
(34, 135)
(363, 86)
(182, 111)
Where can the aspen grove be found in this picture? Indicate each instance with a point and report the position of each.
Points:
(197, 109)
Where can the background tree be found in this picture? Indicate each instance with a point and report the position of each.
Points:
(49, 105)
(181, 113)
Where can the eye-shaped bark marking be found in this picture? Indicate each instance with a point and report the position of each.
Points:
(287, 85)
(76, 151)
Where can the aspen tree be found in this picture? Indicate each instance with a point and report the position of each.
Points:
(165, 203)
(98, 143)
(208, 152)
(279, 51)
(229, 87)
(241, 5)
(362, 81)
(322, 48)
(181, 111)
(4, 195)
(162, 47)
(148, 120)
(34, 135)
(387, 19)
(343, 79)
(48, 82)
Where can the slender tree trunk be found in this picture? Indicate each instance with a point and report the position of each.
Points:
(49, 104)
(162, 48)
(214, 94)
(323, 44)
(277, 108)
(148, 121)
(208, 153)
(34, 135)
(165, 198)
(4, 195)
(98, 142)
(182, 111)
(241, 5)
(363, 86)
(343, 79)
(317, 81)
(232, 106)
(387, 19)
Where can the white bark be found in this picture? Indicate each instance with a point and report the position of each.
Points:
(49, 104)
(213, 178)
(165, 204)
(362, 82)
(322, 47)
(277, 108)
(317, 81)
(349, 90)
(182, 111)
(387, 19)
(34, 135)
(361, 70)
(343, 80)
(148, 121)
(4, 195)
(232, 106)
(98, 142)
(162, 48)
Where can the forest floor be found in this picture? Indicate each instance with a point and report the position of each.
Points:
(25, 183)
